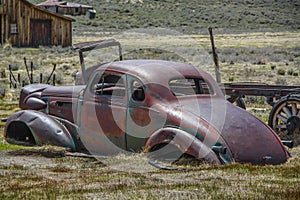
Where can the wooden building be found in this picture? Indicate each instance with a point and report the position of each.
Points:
(66, 8)
(26, 25)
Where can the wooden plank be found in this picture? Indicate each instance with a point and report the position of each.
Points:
(26, 21)
(6, 28)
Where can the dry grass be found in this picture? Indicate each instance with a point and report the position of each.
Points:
(86, 178)
(243, 57)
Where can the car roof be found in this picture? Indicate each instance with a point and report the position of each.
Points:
(155, 70)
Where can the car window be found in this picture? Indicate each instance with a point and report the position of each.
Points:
(137, 90)
(110, 85)
(189, 86)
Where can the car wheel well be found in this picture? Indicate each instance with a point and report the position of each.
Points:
(157, 147)
(19, 133)
(181, 158)
(171, 153)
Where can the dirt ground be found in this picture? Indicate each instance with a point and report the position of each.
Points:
(47, 173)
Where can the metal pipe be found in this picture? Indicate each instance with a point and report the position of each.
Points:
(12, 75)
(49, 78)
(54, 79)
(26, 66)
(19, 78)
(215, 56)
(31, 72)
(41, 78)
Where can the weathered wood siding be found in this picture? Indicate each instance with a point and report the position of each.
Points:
(23, 13)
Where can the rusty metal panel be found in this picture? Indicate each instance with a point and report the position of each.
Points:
(30, 127)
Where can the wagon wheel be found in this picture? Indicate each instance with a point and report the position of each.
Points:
(285, 118)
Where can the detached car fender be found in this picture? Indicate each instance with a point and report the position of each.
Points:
(185, 142)
(29, 127)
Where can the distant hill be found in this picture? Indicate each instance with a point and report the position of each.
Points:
(191, 16)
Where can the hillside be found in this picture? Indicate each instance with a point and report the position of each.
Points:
(192, 16)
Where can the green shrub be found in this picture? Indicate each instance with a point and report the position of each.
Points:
(273, 67)
(281, 72)
(281, 81)
(290, 72)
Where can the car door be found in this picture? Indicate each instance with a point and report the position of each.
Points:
(103, 113)
(142, 120)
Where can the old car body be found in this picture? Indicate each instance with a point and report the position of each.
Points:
(164, 108)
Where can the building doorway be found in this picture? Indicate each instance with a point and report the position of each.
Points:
(41, 32)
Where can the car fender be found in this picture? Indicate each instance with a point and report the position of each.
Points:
(29, 127)
(185, 142)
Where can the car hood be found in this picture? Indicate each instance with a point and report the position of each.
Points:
(249, 139)
(63, 91)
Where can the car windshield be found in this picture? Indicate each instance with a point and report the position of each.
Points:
(189, 86)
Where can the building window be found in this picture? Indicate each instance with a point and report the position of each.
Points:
(13, 28)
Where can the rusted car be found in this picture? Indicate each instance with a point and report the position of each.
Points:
(167, 109)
